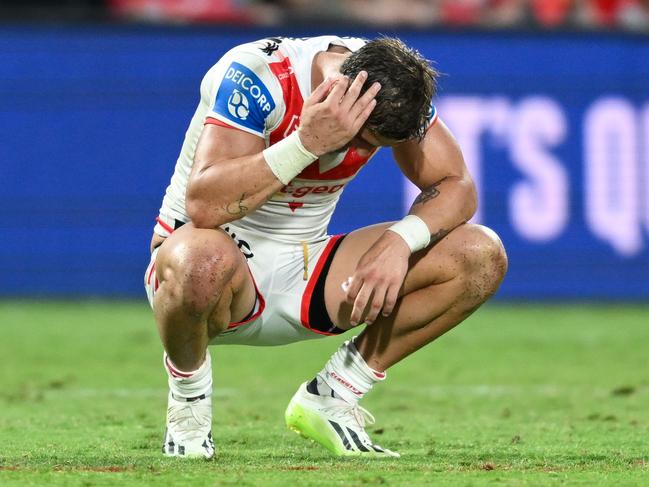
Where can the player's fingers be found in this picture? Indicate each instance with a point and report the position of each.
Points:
(390, 300)
(362, 118)
(321, 91)
(351, 287)
(360, 303)
(338, 90)
(376, 305)
(358, 108)
(353, 92)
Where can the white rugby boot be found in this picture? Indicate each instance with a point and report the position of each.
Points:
(189, 428)
(333, 423)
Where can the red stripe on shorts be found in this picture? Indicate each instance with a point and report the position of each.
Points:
(262, 305)
(148, 279)
(164, 224)
(308, 292)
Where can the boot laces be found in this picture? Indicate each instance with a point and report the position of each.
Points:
(354, 414)
(190, 419)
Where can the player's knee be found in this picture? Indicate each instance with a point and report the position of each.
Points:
(483, 259)
(193, 272)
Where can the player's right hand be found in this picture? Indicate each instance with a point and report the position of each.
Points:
(375, 284)
(335, 112)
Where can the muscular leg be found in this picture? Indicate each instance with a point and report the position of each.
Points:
(204, 285)
(444, 285)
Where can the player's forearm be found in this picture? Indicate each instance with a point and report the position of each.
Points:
(445, 204)
(228, 190)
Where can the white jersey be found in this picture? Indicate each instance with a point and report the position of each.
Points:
(260, 88)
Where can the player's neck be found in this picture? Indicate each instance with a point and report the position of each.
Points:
(327, 63)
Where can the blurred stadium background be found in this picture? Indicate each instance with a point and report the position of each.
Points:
(549, 100)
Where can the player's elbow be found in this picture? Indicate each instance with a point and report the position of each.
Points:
(206, 214)
(197, 213)
(201, 212)
(203, 204)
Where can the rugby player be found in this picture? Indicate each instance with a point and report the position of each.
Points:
(241, 254)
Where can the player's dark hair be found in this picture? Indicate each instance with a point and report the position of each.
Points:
(408, 84)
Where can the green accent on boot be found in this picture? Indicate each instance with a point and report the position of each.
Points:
(309, 425)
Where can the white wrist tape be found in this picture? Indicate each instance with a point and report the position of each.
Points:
(288, 157)
(414, 231)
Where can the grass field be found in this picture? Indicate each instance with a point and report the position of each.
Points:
(518, 395)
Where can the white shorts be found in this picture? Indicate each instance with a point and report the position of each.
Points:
(290, 298)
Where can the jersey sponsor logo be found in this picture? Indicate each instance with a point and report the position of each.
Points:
(243, 98)
(302, 191)
(238, 105)
(287, 74)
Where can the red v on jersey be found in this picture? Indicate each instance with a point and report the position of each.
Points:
(294, 205)
(293, 101)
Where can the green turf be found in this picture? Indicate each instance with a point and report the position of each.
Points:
(518, 395)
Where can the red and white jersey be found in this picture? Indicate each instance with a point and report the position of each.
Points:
(260, 88)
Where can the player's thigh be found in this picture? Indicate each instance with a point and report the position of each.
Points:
(465, 246)
(198, 264)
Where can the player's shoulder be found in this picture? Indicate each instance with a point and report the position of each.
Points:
(351, 43)
(273, 49)
(321, 43)
(244, 88)
(249, 55)
(261, 53)
(247, 88)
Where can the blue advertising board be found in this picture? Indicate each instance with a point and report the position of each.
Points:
(555, 129)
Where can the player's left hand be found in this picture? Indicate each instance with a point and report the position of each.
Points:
(377, 279)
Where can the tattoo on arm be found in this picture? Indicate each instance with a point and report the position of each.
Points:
(237, 208)
(428, 193)
(437, 236)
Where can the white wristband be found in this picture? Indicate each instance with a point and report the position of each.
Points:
(288, 157)
(414, 231)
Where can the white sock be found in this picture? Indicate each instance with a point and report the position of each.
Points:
(348, 375)
(189, 385)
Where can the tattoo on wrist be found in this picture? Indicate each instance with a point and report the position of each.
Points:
(428, 193)
(237, 208)
(437, 236)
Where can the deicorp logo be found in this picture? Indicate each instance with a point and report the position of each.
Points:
(243, 98)
(238, 105)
